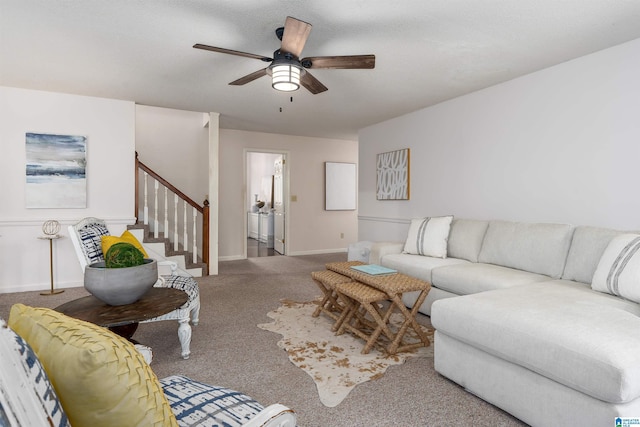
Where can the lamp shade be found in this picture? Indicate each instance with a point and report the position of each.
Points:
(285, 77)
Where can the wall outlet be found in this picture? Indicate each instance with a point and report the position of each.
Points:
(294, 198)
(342, 235)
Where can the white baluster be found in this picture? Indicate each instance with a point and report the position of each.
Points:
(175, 222)
(155, 210)
(195, 240)
(185, 241)
(165, 230)
(146, 204)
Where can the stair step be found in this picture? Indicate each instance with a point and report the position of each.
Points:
(162, 248)
(195, 272)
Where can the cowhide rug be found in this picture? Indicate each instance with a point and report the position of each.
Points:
(334, 362)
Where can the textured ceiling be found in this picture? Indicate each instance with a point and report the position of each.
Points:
(427, 51)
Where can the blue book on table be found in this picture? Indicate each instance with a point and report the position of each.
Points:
(374, 269)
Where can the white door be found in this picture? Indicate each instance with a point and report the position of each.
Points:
(278, 205)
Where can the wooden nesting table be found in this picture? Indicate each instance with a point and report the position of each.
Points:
(327, 281)
(366, 290)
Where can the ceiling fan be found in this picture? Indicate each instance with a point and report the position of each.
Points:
(287, 70)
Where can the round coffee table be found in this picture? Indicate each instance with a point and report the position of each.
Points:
(124, 319)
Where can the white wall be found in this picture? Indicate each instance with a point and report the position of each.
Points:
(312, 229)
(558, 145)
(109, 128)
(174, 141)
(175, 144)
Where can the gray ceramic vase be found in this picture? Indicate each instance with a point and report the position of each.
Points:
(120, 286)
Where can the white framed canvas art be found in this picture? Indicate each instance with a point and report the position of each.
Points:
(341, 188)
(56, 171)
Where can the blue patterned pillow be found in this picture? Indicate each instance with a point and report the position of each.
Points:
(91, 241)
(193, 401)
(27, 398)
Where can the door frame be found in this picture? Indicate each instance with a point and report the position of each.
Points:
(285, 194)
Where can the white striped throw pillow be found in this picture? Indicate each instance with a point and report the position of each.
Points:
(618, 272)
(428, 236)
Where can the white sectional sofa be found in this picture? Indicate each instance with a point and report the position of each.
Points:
(519, 323)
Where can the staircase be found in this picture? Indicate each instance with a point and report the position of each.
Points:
(169, 224)
(161, 248)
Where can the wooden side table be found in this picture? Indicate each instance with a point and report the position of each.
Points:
(124, 319)
(51, 238)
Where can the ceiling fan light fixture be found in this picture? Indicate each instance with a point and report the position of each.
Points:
(285, 77)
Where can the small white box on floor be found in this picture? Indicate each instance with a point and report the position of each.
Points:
(359, 251)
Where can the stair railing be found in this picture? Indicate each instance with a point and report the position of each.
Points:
(185, 219)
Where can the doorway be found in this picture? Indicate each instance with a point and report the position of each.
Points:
(266, 191)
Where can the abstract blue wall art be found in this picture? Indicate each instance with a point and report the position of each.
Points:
(56, 171)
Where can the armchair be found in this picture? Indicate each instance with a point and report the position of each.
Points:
(39, 388)
(86, 237)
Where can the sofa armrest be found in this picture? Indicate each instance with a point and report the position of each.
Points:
(275, 415)
(380, 249)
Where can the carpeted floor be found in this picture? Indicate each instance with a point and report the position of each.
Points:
(229, 349)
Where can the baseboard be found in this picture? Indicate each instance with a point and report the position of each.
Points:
(39, 287)
(231, 258)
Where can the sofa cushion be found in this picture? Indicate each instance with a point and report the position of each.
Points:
(464, 279)
(428, 236)
(587, 246)
(618, 272)
(100, 377)
(563, 330)
(535, 247)
(27, 398)
(465, 238)
(417, 265)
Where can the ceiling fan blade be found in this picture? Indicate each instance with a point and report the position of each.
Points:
(232, 52)
(340, 62)
(312, 84)
(249, 77)
(295, 36)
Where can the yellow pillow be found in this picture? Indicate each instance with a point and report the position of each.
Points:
(100, 377)
(126, 237)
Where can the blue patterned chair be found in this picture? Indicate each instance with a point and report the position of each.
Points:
(86, 237)
(193, 401)
(28, 395)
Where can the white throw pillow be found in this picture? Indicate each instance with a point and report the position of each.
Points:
(428, 236)
(618, 272)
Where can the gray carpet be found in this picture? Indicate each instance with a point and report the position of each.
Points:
(228, 349)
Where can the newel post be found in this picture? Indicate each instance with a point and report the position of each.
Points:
(137, 186)
(205, 233)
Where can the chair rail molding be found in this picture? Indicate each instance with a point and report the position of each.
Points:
(384, 219)
(37, 222)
